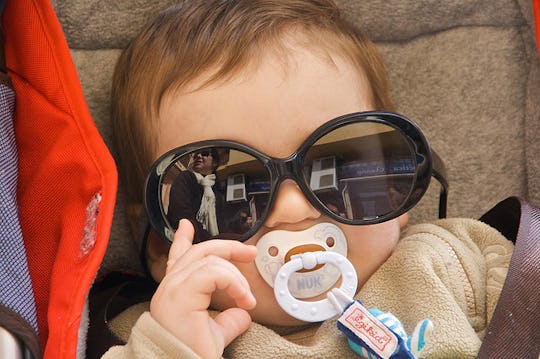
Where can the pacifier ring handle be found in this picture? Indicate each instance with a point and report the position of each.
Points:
(316, 311)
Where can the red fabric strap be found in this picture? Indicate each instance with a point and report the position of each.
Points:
(67, 177)
(536, 12)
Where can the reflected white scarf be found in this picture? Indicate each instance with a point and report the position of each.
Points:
(207, 212)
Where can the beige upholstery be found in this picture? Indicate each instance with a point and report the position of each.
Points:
(466, 70)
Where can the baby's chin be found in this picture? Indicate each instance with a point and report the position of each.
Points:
(267, 311)
(275, 317)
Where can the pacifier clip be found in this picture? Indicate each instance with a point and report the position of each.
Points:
(371, 333)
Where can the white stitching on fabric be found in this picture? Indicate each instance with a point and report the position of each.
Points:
(89, 231)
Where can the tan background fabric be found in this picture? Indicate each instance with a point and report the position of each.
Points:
(466, 70)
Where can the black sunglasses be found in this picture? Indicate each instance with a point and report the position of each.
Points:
(358, 169)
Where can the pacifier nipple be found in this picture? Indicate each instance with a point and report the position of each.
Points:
(276, 248)
(305, 248)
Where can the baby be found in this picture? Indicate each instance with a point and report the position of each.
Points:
(289, 94)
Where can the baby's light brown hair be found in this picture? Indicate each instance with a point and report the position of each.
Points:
(194, 37)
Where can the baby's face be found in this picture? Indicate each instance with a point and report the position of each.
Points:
(273, 108)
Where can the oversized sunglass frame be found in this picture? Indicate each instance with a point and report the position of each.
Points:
(428, 164)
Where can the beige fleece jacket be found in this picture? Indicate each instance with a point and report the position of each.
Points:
(451, 271)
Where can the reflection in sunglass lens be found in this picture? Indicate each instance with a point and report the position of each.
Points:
(225, 201)
(361, 171)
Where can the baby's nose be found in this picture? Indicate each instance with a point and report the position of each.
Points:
(290, 206)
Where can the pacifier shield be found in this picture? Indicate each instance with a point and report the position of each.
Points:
(274, 248)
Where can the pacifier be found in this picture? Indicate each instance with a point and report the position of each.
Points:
(275, 248)
(306, 264)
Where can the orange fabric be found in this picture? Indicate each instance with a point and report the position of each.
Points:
(63, 165)
(536, 12)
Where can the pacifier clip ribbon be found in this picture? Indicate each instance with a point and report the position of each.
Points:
(367, 334)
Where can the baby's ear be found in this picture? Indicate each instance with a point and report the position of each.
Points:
(403, 220)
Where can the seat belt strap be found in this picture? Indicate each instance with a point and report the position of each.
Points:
(514, 330)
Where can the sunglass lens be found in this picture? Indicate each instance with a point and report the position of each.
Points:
(224, 198)
(361, 171)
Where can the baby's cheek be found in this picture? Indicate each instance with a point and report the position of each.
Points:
(370, 246)
(377, 238)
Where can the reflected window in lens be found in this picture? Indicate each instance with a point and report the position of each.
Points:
(362, 170)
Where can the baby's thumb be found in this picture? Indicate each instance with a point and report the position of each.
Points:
(232, 322)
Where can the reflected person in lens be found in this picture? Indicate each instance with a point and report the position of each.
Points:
(195, 192)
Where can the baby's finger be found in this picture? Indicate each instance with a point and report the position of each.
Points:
(227, 249)
(203, 277)
(232, 322)
(182, 242)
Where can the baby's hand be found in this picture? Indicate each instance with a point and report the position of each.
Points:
(194, 272)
